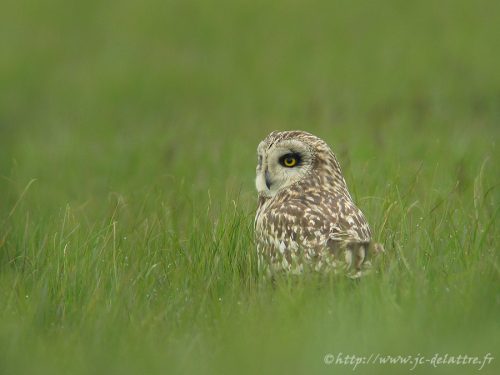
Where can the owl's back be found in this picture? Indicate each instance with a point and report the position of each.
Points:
(311, 228)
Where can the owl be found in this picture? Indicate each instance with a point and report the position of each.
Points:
(306, 218)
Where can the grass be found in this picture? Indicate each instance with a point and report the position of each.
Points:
(127, 154)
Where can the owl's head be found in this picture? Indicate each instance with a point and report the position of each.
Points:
(285, 158)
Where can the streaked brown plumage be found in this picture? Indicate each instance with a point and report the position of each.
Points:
(306, 217)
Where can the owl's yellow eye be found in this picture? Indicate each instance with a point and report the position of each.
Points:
(290, 162)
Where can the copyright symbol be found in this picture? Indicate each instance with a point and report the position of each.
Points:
(328, 358)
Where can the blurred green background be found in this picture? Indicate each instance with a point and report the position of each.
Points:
(128, 133)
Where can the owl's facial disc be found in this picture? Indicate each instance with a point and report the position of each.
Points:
(281, 165)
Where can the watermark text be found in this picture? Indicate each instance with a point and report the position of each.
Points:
(410, 361)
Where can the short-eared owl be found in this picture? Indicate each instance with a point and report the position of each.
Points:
(306, 216)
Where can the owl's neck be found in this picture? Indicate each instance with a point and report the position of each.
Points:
(262, 200)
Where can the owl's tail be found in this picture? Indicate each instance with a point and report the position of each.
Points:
(363, 259)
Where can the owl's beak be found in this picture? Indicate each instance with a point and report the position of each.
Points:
(268, 179)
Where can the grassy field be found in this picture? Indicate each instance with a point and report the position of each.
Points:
(127, 156)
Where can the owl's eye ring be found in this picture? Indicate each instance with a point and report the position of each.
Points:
(290, 160)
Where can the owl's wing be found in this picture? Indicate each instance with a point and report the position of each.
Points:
(321, 219)
(334, 217)
(347, 221)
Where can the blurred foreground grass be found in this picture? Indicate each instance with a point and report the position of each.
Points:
(127, 153)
